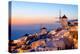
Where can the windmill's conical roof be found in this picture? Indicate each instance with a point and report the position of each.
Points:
(64, 16)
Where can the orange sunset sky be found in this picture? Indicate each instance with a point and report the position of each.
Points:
(40, 13)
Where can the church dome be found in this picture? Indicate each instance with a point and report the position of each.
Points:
(43, 28)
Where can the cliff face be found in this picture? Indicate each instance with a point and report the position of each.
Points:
(58, 39)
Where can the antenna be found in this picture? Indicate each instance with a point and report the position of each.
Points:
(59, 14)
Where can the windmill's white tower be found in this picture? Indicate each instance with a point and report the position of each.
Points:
(63, 21)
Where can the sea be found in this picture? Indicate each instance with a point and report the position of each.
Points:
(18, 31)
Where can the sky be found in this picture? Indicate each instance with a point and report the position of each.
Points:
(26, 13)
